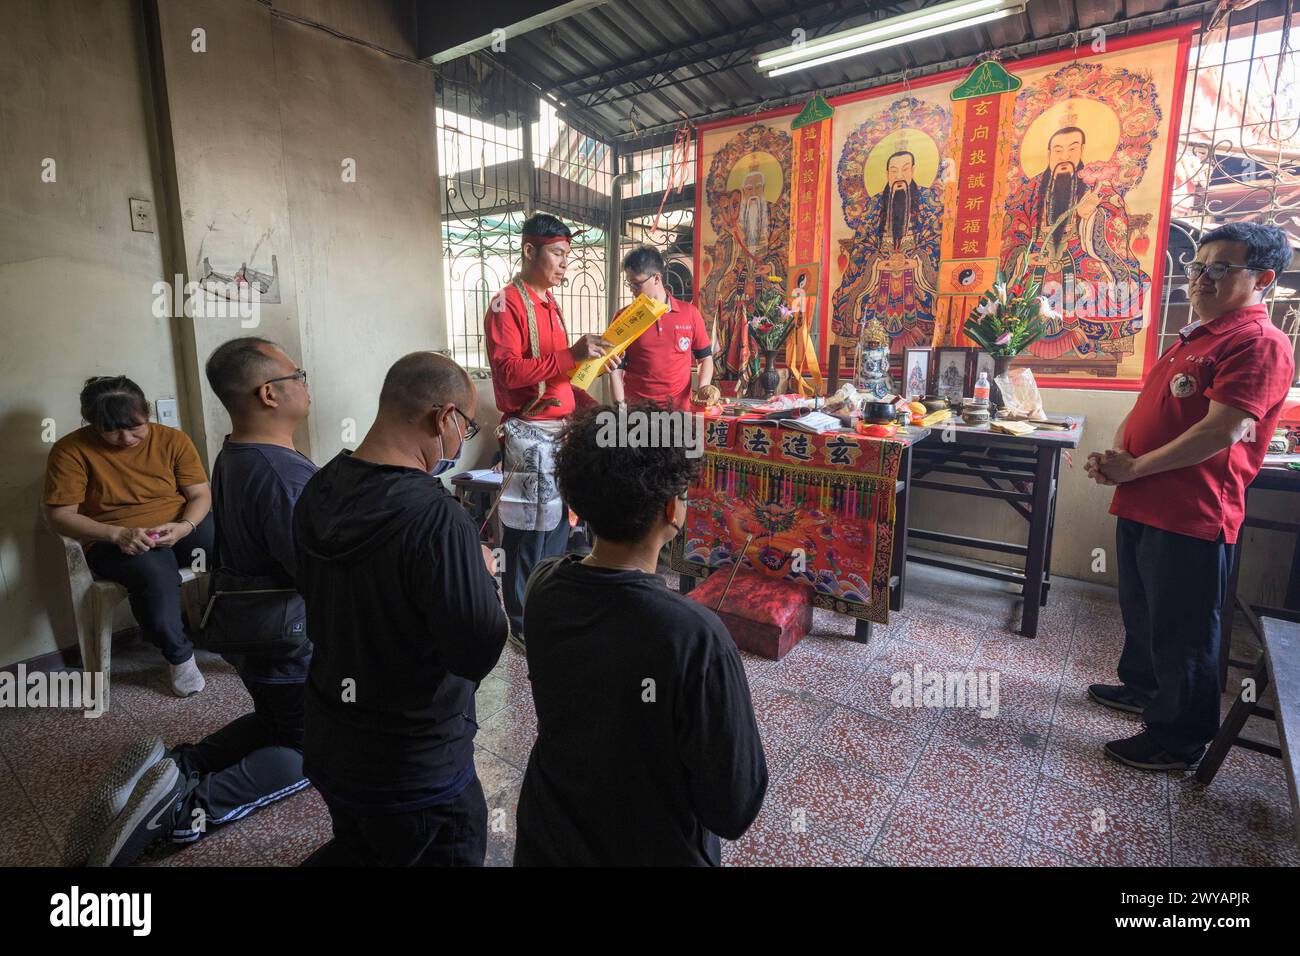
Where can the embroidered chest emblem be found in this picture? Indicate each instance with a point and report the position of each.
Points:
(683, 343)
(1182, 386)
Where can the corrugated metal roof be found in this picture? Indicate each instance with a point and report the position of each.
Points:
(646, 63)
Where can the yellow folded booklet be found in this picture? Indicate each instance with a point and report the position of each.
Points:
(622, 332)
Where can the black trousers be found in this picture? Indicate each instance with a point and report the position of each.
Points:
(1171, 590)
(524, 550)
(252, 761)
(154, 586)
(448, 834)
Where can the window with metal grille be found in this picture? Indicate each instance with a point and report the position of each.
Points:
(503, 154)
(657, 207)
(1238, 152)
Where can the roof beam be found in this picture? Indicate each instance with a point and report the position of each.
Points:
(690, 54)
(745, 46)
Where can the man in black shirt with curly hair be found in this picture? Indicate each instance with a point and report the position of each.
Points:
(647, 746)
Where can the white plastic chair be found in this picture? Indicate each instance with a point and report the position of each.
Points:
(94, 602)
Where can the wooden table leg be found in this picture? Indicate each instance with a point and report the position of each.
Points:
(862, 631)
(1051, 528)
(1036, 559)
(898, 567)
(1233, 724)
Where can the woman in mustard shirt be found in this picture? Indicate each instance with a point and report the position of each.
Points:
(136, 495)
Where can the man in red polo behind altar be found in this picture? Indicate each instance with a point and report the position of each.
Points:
(1182, 461)
(529, 352)
(657, 366)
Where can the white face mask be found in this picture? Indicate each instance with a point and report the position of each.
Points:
(445, 465)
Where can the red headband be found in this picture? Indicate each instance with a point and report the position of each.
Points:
(544, 240)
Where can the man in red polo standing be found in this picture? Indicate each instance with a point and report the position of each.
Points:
(657, 366)
(1182, 460)
(529, 352)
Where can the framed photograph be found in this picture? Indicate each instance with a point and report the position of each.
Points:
(983, 363)
(952, 374)
(915, 374)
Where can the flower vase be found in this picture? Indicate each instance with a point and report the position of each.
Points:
(769, 379)
(1001, 366)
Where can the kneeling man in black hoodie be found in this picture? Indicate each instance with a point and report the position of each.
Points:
(406, 620)
(647, 747)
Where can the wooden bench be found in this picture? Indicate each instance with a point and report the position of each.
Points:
(1279, 664)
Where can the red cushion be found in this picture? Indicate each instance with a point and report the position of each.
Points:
(764, 616)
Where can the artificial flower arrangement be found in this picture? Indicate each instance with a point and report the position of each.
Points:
(772, 319)
(1009, 317)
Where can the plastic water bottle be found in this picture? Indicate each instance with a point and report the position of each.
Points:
(982, 389)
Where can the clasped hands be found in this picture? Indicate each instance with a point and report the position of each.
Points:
(134, 541)
(1112, 467)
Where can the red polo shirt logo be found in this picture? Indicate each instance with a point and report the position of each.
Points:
(1241, 360)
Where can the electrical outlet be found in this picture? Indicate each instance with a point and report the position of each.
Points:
(141, 215)
(167, 413)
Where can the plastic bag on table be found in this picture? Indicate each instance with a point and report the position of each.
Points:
(1020, 394)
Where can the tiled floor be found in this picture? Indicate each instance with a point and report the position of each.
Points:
(854, 779)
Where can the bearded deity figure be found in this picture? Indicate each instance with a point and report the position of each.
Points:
(896, 263)
(1069, 228)
(754, 213)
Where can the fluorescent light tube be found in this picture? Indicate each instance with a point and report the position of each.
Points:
(896, 40)
(881, 29)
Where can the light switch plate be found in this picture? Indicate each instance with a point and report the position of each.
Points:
(167, 413)
(141, 215)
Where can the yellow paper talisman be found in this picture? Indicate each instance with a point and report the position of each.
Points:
(622, 332)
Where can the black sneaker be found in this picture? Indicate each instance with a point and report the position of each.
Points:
(108, 799)
(1117, 697)
(146, 819)
(1143, 752)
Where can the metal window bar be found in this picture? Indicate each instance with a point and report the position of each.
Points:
(1238, 156)
(504, 154)
(647, 217)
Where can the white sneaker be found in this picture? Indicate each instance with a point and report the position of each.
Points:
(186, 679)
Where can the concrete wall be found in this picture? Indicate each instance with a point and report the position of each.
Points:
(76, 282)
(367, 252)
(239, 148)
(291, 143)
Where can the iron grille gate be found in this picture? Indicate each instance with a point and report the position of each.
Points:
(503, 154)
(1238, 152)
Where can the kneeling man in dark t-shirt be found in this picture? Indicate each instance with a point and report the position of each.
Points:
(647, 746)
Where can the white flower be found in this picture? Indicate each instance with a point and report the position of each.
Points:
(1045, 310)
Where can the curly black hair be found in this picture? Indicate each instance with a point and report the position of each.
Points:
(619, 490)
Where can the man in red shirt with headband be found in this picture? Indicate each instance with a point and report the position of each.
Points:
(1182, 460)
(529, 352)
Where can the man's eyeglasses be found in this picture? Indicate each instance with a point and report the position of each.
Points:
(1215, 270)
(300, 374)
(471, 426)
(636, 285)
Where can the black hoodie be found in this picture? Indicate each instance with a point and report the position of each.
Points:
(405, 620)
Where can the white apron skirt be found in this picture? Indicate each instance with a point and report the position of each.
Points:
(530, 497)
